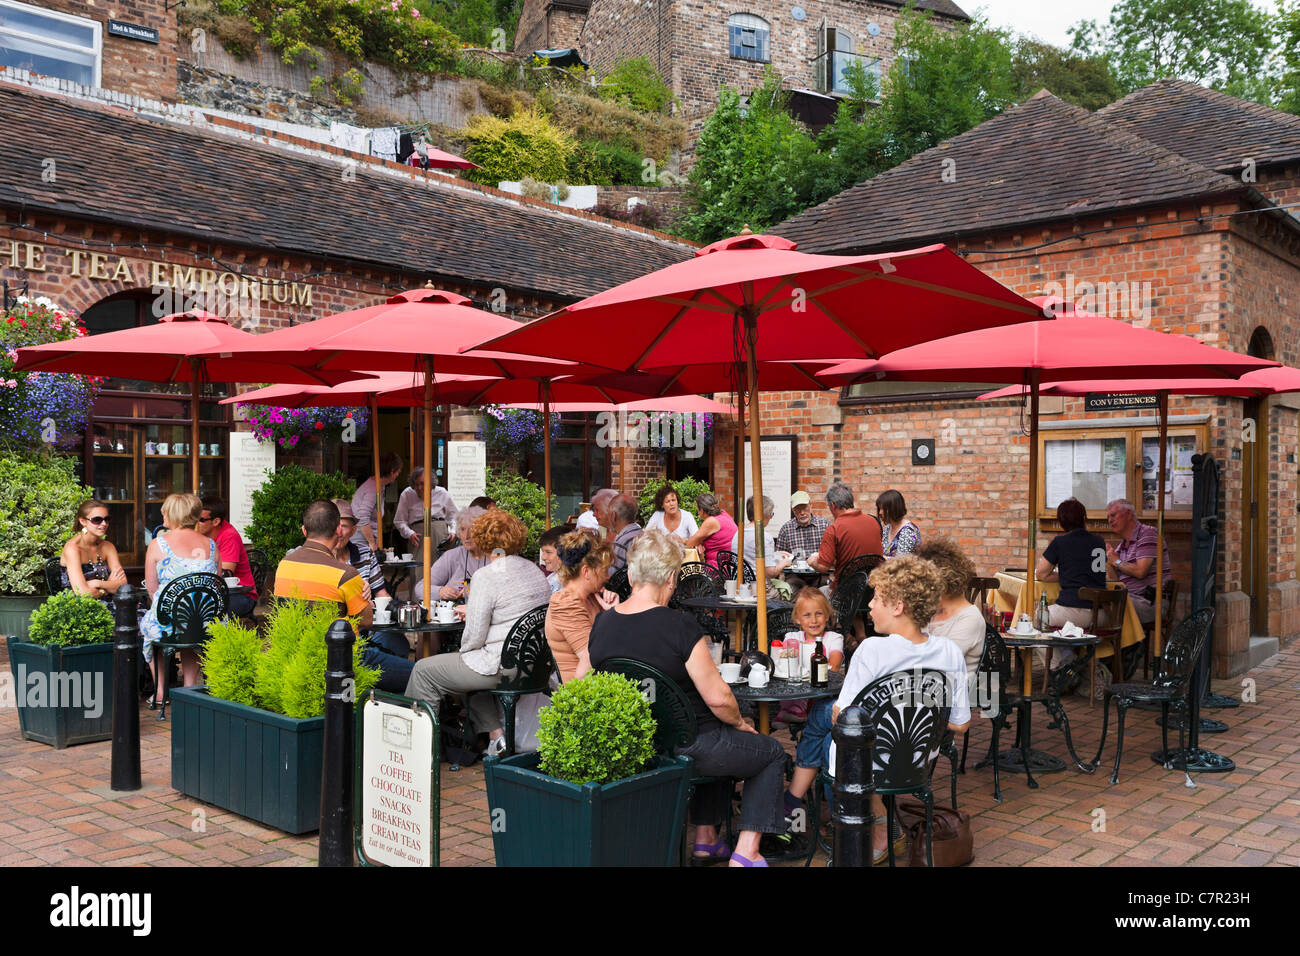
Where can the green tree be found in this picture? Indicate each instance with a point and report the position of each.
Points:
(1288, 30)
(1086, 81)
(1226, 44)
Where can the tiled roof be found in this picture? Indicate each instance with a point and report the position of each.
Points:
(116, 166)
(945, 7)
(1041, 161)
(1212, 128)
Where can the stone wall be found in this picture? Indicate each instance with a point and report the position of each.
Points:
(205, 87)
(667, 200)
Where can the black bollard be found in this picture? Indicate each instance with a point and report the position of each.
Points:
(854, 784)
(125, 773)
(336, 772)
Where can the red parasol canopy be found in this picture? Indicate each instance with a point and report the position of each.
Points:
(1266, 381)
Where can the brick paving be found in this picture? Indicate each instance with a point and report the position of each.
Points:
(56, 807)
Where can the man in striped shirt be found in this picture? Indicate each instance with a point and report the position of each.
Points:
(313, 573)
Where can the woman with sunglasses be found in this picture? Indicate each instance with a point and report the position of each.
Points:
(89, 563)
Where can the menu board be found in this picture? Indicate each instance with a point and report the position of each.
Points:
(778, 478)
(251, 463)
(1179, 450)
(466, 471)
(397, 825)
(1094, 470)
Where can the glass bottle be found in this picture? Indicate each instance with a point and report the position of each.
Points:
(1043, 618)
(819, 666)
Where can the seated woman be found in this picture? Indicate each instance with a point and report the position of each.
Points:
(89, 563)
(716, 530)
(177, 551)
(898, 535)
(1076, 559)
(958, 620)
(643, 629)
(907, 592)
(669, 515)
(502, 591)
(584, 569)
(450, 573)
(775, 561)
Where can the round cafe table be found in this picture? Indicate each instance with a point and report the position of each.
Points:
(781, 691)
(423, 633)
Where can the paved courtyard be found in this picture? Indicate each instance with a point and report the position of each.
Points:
(56, 806)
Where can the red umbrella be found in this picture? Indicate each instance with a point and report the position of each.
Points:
(1076, 345)
(418, 331)
(192, 347)
(754, 299)
(440, 159)
(1266, 381)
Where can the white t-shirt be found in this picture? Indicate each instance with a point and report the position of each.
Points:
(769, 545)
(685, 528)
(878, 657)
(966, 630)
(831, 641)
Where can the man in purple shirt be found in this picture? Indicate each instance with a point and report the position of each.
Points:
(1133, 560)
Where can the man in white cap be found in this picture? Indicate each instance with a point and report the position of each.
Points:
(803, 532)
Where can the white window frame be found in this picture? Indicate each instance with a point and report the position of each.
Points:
(96, 29)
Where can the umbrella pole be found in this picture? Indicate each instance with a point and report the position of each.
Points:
(1156, 635)
(1033, 491)
(756, 455)
(621, 469)
(546, 445)
(379, 491)
(428, 478)
(739, 644)
(195, 372)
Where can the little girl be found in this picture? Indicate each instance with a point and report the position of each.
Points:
(812, 612)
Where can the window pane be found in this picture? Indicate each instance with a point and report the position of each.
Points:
(905, 389)
(47, 60)
(36, 24)
(748, 37)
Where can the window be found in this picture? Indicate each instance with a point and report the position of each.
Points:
(748, 37)
(49, 43)
(834, 55)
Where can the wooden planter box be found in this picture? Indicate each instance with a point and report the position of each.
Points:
(541, 821)
(67, 672)
(260, 765)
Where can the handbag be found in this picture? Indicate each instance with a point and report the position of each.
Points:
(954, 845)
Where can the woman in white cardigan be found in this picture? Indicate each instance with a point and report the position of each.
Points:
(500, 593)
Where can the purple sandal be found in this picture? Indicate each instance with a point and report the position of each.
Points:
(713, 852)
(746, 861)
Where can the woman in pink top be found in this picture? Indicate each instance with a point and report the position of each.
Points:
(716, 531)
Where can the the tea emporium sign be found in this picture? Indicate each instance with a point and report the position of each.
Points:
(103, 267)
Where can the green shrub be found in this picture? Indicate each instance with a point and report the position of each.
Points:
(523, 499)
(288, 677)
(593, 162)
(596, 729)
(636, 83)
(525, 145)
(688, 489)
(230, 661)
(70, 619)
(278, 505)
(39, 497)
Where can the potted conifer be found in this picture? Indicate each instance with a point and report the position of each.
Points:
(594, 793)
(251, 740)
(63, 672)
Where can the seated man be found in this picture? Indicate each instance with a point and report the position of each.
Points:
(232, 554)
(357, 553)
(623, 528)
(1133, 560)
(313, 572)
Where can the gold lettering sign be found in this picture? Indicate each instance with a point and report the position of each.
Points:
(105, 267)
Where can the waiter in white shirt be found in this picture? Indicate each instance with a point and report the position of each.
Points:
(410, 509)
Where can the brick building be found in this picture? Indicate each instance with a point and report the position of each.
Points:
(550, 24)
(130, 208)
(1048, 198)
(699, 45)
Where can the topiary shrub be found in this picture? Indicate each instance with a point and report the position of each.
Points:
(523, 499)
(70, 619)
(597, 729)
(39, 496)
(688, 489)
(288, 677)
(278, 505)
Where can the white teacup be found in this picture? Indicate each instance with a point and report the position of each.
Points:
(758, 676)
(446, 613)
(383, 617)
(407, 556)
(730, 588)
(730, 672)
(381, 605)
(232, 582)
(745, 592)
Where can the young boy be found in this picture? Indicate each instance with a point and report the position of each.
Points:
(907, 591)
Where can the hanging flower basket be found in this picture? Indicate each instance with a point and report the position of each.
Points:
(513, 432)
(291, 427)
(41, 408)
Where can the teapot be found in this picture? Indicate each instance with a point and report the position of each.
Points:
(411, 614)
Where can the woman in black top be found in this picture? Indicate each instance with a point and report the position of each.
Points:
(644, 629)
(1077, 559)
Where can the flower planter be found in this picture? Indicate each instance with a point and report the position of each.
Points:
(68, 680)
(260, 765)
(538, 820)
(16, 612)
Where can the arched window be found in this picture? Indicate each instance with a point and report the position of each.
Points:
(748, 37)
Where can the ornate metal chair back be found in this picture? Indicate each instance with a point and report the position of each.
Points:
(676, 723)
(619, 584)
(53, 576)
(1184, 650)
(909, 710)
(851, 595)
(186, 605)
(260, 565)
(526, 660)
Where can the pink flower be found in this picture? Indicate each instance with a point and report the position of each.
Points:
(416, 14)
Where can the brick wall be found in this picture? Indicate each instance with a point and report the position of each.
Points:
(1281, 184)
(669, 200)
(132, 66)
(530, 32)
(565, 29)
(688, 41)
